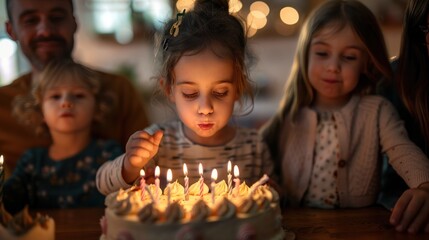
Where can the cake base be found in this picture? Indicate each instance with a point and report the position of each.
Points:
(263, 225)
(36, 232)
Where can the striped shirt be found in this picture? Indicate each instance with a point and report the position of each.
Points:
(246, 150)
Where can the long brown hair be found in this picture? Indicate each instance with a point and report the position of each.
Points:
(298, 91)
(337, 14)
(412, 78)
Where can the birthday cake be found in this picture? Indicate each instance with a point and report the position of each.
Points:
(22, 226)
(223, 213)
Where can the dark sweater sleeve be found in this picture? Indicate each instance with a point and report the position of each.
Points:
(16, 188)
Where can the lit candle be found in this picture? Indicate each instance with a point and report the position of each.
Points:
(200, 171)
(229, 178)
(157, 173)
(1, 178)
(236, 180)
(185, 171)
(214, 177)
(169, 178)
(142, 184)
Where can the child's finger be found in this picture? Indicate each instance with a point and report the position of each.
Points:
(136, 138)
(140, 135)
(410, 213)
(399, 209)
(420, 219)
(142, 139)
(146, 145)
(157, 137)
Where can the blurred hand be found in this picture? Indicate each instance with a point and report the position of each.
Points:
(411, 211)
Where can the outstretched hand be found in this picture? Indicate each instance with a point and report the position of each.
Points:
(411, 211)
(141, 147)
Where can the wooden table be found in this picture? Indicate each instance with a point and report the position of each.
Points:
(363, 224)
(366, 223)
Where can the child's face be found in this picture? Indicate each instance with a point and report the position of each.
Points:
(336, 60)
(68, 107)
(204, 93)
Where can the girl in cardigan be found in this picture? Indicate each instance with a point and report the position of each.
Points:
(329, 132)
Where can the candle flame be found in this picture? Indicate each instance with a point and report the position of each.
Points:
(142, 173)
(1, 160)
(214, 174)
(169, 175)
(229, 166)
(157, 171)
(200, 169)
(185, 169)
(236, 172)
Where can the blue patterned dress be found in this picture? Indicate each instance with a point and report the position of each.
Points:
(40, 182)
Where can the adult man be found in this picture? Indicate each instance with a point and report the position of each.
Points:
(45, 31)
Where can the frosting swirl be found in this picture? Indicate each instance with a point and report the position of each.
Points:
(267, 192)
(111, 199)
(225, 209)
(176, 190)
(275, 195)
(194, 189)
(248, 205)
(124, 202)
(243, 190)
(121, 207)
(174, 213)
(264, 203)
(152, 188)
(148, 214)
(22, 222)
(200, 211)
(221, 188)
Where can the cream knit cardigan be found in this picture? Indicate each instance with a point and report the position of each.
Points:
(367, 127)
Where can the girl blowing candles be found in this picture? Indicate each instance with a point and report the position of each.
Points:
(67, 103)
(203, 73)
(329, 132)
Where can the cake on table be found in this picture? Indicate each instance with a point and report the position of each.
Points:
(146, 212)
(23, 226)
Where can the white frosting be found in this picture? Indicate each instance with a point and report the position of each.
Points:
(229, 217)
